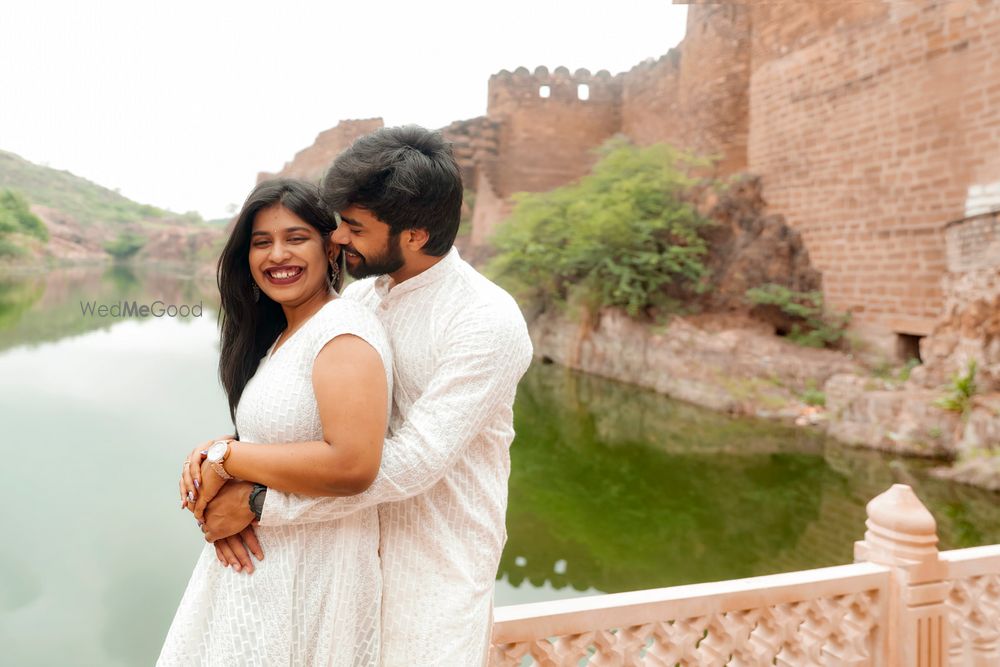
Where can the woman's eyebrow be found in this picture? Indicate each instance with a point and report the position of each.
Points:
(262, 232)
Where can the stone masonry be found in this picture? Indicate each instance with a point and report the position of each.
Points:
(872, 126)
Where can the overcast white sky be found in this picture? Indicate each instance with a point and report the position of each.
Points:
(180, 103)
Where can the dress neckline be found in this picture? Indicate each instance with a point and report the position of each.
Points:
(271, 351)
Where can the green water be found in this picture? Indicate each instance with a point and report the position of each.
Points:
(612, 488)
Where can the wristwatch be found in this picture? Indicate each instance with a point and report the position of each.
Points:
(217, 454)
(257, 497)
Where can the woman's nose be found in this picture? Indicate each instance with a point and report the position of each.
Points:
(278, 251)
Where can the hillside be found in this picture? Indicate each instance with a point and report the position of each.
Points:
(86, 221)
(87, 202)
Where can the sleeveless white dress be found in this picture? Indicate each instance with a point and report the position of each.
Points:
(315, 599)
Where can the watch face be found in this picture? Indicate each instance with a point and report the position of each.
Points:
(217, 451)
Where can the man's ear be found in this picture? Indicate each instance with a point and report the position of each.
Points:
(416, 238)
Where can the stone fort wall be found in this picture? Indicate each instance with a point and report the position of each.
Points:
(871, 124)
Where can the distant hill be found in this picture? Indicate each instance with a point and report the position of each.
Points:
(86, 222)
(87, 202)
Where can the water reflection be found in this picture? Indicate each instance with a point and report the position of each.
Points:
(612, 488)
(617, 489)
(54, 299)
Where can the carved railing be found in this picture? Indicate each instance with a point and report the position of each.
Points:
(973, 604)
(902, 604)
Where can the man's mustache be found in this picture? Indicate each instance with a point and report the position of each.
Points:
(352, 249)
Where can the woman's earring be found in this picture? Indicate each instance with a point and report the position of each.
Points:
(256, 290)
(334, 273)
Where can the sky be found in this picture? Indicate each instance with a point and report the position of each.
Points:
(179, 104)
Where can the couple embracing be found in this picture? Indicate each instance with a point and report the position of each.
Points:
(368, 472)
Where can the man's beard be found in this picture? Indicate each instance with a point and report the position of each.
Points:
(390, 261)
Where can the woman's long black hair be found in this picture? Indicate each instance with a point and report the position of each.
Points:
(249, 327)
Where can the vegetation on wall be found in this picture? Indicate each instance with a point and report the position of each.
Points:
(960, 391)
(813, 325)
(621, 236)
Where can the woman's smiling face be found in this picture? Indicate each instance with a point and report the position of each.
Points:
(289, 258)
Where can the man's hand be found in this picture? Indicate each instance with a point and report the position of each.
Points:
(211, 484)
(229, 512)
(233, 550)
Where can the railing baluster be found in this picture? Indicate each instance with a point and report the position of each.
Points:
(903, 604)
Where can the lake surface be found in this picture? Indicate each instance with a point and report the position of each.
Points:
(612, 488)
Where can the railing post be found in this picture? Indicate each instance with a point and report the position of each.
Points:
(902, 535)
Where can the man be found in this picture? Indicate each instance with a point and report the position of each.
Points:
(460, 346)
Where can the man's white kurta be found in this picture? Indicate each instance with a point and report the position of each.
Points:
(460, 347)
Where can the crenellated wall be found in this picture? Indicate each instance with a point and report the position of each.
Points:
(695, 96)
(871, 124)
(546, 141)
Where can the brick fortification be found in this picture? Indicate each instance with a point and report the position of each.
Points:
(871, 125)
(874, 125)
(310, 164)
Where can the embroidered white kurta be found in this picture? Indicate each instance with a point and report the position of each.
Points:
(460, 346)
(315, 598)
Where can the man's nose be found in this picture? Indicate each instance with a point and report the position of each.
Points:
(341, 235)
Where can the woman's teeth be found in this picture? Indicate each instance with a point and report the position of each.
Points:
(284, 273)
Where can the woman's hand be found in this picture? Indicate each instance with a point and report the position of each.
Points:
(210, 484)
(190, 483)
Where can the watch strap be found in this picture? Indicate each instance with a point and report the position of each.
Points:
(257, 496)
(219, 466)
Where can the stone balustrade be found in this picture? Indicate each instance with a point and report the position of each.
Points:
(901, 604)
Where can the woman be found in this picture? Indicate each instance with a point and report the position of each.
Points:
(308, 376)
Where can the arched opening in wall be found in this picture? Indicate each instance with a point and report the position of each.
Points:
(908, 347)
(583, 91)
(544, 91)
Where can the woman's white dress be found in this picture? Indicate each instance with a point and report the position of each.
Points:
(315, 597)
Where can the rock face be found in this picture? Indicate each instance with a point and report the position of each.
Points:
(903, 416)
(970, 327)
(750, 248)
(171, 241)
(723, 362)
(869, 412)
(69, 240)
(311, 163)
(183, 244)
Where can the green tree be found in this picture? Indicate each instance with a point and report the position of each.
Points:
(621, 236)
(125, 246)
(16, 217)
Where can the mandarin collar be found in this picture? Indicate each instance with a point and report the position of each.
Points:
(384, 287)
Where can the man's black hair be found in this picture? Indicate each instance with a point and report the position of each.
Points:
(407, 177)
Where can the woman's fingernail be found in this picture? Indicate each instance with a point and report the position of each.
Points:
(204, 452)
(191, 496)
(236, 567)
(197, 485)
